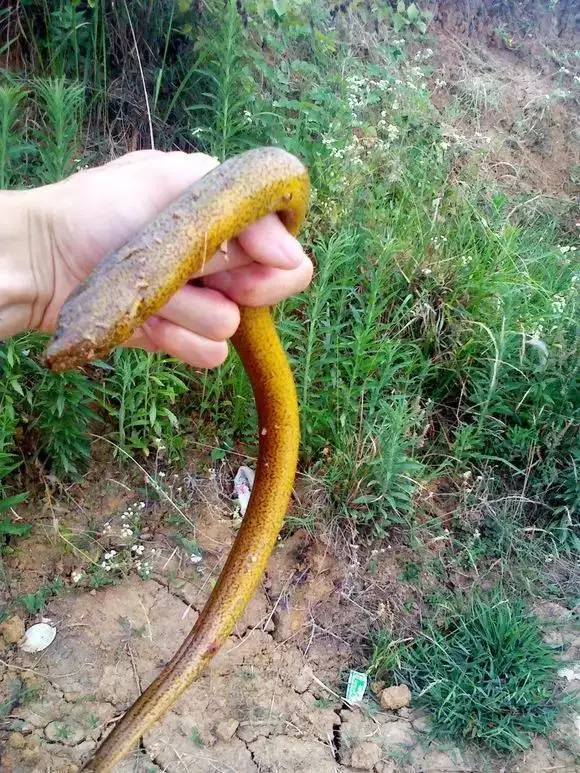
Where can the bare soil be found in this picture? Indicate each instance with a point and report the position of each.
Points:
(272, 699)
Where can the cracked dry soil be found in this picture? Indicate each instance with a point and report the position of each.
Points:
(262, 705)
(270, 701)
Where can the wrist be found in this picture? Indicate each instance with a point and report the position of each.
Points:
(26, 270)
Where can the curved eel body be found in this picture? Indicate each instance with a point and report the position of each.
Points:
(133, 283)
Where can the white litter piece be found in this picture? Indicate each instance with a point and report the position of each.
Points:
(243, 483)
(38, 637)
(355, 689)
(571, 674)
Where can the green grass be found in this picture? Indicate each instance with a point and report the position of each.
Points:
(480, 668)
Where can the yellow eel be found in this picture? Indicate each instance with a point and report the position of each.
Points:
(133, 283)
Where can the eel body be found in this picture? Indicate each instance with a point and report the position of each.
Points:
(133, 283)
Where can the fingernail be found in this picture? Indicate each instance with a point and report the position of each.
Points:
(290, 252)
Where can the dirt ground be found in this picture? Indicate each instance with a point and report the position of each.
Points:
(508, 92)
(273, 698)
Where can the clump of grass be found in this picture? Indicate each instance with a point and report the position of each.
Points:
(481, 669)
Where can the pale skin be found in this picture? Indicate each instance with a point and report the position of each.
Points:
(53, 236)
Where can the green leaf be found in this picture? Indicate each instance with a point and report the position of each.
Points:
(8, 502)
(413, 13)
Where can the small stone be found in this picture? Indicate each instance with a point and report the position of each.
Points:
(303, 680)
(226, 729)
(396, 697)
(17, 741)
(377, 687)
(12, 629)
(365, 756)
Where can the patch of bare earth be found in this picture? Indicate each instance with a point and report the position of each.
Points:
(508, 91)
(271, 700)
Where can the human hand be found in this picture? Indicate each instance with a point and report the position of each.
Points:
(76, 222)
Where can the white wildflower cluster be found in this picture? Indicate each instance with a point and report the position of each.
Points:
(77, 575)
(110, 561)
(423, 55)
(128, 531)
(132, 511)
(130, 519)
(567, 250)
(143, 567)
(438, 242)
(558, 304)
(469, 484)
